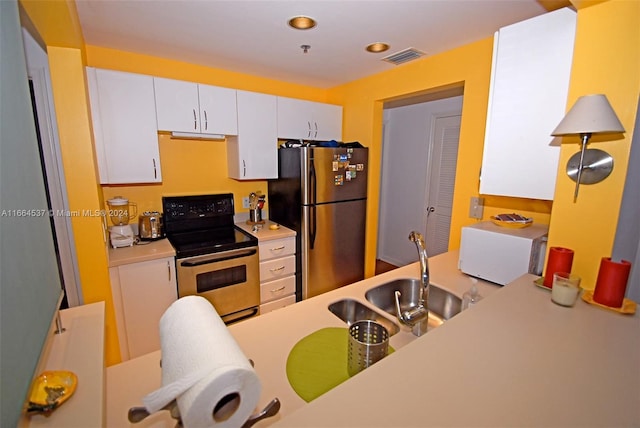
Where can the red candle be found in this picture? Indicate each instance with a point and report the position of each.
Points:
(612, 282)
(560, 260)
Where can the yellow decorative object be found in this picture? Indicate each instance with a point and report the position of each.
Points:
(628, 305)
(50, 390)
(513, 221)
(540, 283)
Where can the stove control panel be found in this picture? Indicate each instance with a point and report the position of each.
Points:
(186, 212)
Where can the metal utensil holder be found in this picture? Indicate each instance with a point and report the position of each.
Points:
(368, 344)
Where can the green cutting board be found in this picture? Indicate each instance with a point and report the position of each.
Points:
(318, 362)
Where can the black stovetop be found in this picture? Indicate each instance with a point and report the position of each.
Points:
(203, 224)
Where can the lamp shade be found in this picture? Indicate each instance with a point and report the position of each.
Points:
(591, 114)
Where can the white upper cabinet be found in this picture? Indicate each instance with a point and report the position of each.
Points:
(528, 96)
(253, 154)
(124, 126)
(195, 108)
(307, 120)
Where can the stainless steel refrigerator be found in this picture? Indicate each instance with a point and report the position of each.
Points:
(321, 193)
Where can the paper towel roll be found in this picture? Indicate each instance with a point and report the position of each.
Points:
(203, 368)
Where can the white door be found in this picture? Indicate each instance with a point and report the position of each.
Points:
(147, 290)
(218, 110)
(177, 105)
(441, 180)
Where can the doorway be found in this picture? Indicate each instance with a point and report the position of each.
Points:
(53, 173)
(419, 154)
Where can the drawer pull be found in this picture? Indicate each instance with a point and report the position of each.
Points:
(278, 248)
(278, 289)
(277, 269)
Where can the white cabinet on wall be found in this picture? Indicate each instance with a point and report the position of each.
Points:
(307, 120)
(142, 292)
(528, 96)
(195, 108)
(124, 126)
(253, 154)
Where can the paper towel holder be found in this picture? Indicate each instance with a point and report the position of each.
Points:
(137, 414)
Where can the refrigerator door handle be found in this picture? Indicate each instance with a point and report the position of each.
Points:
(312, 231)
(312, 211)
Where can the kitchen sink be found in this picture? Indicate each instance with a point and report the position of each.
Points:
(350, 311)
(442, 304)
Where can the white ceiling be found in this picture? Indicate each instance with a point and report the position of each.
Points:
(253, 37)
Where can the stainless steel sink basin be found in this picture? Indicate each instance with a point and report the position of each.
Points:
(350, 311)
(442, 304)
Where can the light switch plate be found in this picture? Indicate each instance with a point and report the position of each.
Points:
(245, 202)
(476, 208)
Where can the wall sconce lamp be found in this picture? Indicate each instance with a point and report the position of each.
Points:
(591, 114)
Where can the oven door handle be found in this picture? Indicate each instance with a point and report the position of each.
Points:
(231, 318)
(228, 255)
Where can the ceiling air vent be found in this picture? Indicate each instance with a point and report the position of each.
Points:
(403, 56)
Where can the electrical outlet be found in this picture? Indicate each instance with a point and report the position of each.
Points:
(476, 208)
(245, 202)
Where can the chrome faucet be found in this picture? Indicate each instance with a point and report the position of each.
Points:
(417, 317)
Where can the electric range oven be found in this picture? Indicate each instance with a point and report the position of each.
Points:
(214, 258)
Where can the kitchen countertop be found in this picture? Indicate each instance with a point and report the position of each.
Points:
(267, 340)
(140, 252)
(80, 349)
(264, 233)
(514, 359)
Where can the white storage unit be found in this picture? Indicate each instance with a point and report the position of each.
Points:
(195, 108)
(142, 292)
(529, 86)
(253, 154)
(124, 126)
(308, 120)
(277, 273)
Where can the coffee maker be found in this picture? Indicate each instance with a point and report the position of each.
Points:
(121, 233)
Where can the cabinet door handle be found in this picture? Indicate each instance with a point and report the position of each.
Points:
(195, 120)
(309, 133)
(316, 134)
(277, 269)
(155, 171)
(278, 248)
(206, 121)
(169, 270)
(278, 289)
(244, 168)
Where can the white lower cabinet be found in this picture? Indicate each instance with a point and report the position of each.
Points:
(277, 273)
(142, 292)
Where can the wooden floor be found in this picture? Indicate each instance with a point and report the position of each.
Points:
(382, 267)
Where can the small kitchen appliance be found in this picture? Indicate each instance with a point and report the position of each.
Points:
(121, 233)
(501, 254)
(150, 226)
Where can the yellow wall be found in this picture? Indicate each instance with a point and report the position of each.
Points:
(470, 66)
(607, 61)
(57, 25)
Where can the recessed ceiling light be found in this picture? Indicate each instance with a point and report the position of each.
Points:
(377, 47)
(302, 22)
